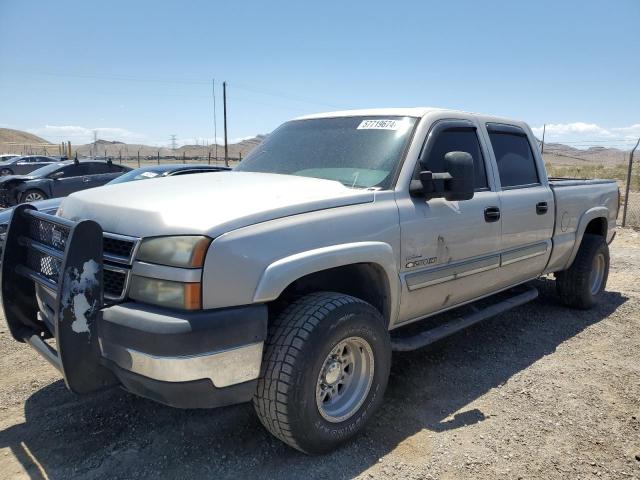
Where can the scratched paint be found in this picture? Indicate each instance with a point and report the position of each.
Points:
(74, 295)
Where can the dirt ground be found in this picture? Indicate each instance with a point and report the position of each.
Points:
(541, 392)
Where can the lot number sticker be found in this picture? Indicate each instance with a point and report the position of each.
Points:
(380, 125)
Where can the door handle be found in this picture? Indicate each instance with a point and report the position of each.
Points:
(491, 214)
(541, 208)
(86, 179)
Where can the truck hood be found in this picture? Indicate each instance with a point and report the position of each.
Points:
(206, 203)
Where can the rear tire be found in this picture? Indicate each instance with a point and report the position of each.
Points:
(581, 284)
(33, 196)
(324, 373)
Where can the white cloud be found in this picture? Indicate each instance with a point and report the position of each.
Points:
(78, 134)
(584, 135)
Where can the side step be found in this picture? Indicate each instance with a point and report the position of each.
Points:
(426, 337)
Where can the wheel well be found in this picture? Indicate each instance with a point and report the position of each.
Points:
(366, 281)
(597, 226)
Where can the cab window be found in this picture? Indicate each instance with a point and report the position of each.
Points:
(459, 139)
(514, 157)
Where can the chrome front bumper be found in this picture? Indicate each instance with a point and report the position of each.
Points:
(223, 368)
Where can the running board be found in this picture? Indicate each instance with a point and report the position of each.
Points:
(424, 338)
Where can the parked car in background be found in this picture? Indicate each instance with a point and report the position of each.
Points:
(7, 156)
(169, 170)
(51, 205)
(57, 180)
(23, 165)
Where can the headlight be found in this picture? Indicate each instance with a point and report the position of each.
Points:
(185, 251)
(185, 296)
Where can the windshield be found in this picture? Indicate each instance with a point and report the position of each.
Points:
(359, 152)
(44, 171)
(135, 175)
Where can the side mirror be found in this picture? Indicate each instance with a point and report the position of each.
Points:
(457, 180)
(56, 175)
(461, 184)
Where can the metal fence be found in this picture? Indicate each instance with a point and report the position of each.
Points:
(594, 165)
(137, 161)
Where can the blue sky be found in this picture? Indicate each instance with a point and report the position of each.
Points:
(139, 71)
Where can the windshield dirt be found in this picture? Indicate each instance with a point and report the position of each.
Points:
(359, 152)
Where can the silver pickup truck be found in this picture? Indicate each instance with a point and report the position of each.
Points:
(289, 280)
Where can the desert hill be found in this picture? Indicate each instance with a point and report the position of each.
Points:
(8, 135)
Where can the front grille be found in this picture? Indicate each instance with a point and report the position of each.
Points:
(118, 247)
(114, 283)
(49, 241)
(118, 251)
(5, 197)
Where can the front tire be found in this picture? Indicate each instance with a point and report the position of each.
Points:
(581, 284)
(324, 373)
(33, 196)
(5, 171)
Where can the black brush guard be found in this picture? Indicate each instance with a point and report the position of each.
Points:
(62, 260)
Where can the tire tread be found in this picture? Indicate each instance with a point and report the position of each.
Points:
(287, 332)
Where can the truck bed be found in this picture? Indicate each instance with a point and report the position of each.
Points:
(576, 200)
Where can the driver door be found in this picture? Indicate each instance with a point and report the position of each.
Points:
(449, 249)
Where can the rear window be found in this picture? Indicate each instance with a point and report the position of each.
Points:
(515, 160)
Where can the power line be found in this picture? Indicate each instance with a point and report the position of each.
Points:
(248, 88)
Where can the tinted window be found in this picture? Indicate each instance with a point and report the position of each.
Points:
(458, 140)
(516, 164)
(74, 170)
(98, 168)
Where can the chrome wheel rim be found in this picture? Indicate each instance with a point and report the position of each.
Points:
(345, 379)
(4, 172)
(33, 197)
(596, 276)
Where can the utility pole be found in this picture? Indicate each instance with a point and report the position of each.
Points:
(174, 143)
(626, 190)
(544, 129)
(215, 117)
(224, 105)
(95, 143)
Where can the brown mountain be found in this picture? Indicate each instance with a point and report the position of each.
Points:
(10, 136)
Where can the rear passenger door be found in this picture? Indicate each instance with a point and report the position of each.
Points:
(526, 203)
(101, 173)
